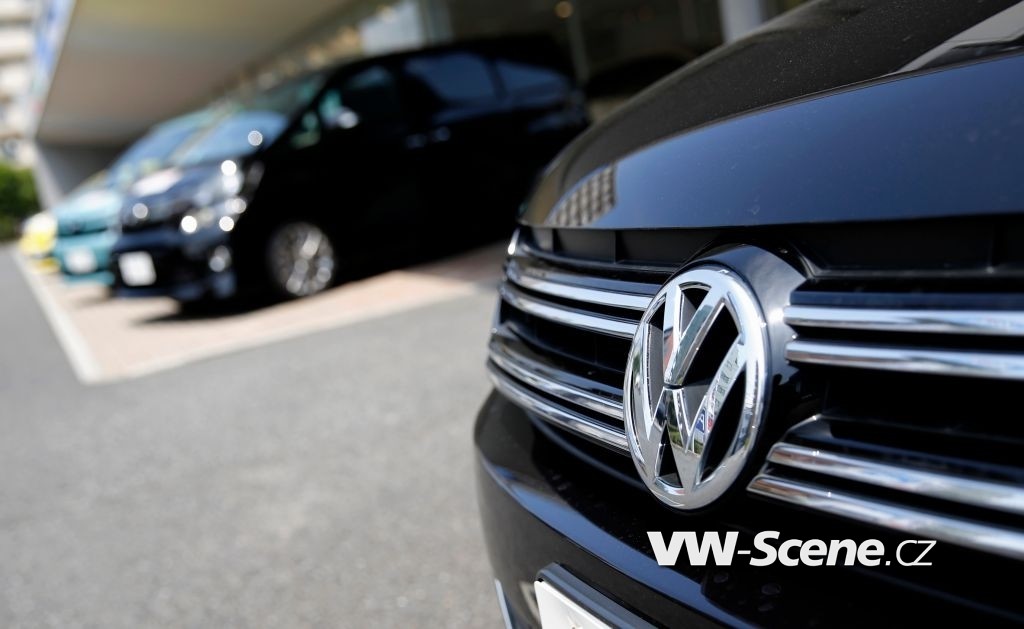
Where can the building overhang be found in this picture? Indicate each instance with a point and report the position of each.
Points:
(125, 66)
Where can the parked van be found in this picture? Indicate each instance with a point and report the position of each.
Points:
(356, 168)
(87, 219)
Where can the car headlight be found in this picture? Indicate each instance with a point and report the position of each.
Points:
(41, 224)
(223, 215)
(232, 179)
(222, 185)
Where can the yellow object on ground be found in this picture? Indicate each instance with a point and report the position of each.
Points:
(38, 237)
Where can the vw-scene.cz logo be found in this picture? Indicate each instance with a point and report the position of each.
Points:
(717, 549)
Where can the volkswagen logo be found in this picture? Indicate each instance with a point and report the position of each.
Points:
(695, 386)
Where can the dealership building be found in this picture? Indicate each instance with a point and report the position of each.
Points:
(106, 70)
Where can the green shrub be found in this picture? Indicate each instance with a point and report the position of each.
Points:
(18, 199)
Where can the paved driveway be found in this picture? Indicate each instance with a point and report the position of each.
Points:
(320, 476)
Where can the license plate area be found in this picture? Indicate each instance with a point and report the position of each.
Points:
(80, 261)
(566, 602)
(137, 268)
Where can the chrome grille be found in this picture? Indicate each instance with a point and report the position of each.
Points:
(894, 357)
(918, 429)
(566, 314)
(911, 394)
(563, 334)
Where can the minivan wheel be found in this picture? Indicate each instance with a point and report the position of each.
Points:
(300, 259)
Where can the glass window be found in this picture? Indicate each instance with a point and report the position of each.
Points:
(255, 122)
(370, 94)
(454, 78)
(155, 148)
(330, 107)
(522, 77)
(308, 132)
(238, 135)
(367, 98)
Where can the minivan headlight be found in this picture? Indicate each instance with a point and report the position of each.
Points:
(223, 215)
(226, 183)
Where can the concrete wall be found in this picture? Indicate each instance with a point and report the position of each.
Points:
(59, 168)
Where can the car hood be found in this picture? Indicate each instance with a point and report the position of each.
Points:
(172, 183)
(90, 206)
(816, 47)
(168, 192)
(941, 143)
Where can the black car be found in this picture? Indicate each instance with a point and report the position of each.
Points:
(775, 303)
(340, 172)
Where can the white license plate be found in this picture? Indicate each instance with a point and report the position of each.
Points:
(137, 268)
(80, 261)
(558, 611)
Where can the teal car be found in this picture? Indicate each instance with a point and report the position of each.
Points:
(87, 219)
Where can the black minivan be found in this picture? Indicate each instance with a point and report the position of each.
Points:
(349, 170)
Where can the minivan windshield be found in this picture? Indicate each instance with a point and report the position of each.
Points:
(254, 121)
(155, 148)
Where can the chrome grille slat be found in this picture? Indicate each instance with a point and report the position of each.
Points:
(976, 364)
(584, 298)
(975, 322)
(990, 495)
(548, 380)
(919, 523)
(558, 415)
(567, 315)
(572, 286)
(923, 337)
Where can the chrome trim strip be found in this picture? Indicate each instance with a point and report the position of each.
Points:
(998, 496)
(543, 377)
(612, 326)
(562, 417)
(561, 285)
(525, 249)
(984, 322)
(929, 361)
(920, 524)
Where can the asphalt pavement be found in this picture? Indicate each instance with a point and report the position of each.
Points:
(322, 480)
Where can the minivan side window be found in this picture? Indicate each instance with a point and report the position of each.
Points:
(454, 78)
(370, 94)
(367, 98)
(524, 78)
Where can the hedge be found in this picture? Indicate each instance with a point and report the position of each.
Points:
(18, 199)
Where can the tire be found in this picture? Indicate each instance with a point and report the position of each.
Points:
(300, 259)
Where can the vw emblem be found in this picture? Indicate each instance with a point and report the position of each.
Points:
(695, 386)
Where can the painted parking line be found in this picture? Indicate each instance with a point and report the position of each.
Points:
(107, 339)
(75, 347)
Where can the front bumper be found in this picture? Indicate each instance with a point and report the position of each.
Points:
(181, 262)
(98, 244)
(536, 516)
(547, 501)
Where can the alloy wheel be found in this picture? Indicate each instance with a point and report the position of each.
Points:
(301, 259)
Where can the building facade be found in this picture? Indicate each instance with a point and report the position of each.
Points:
(16, 47)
